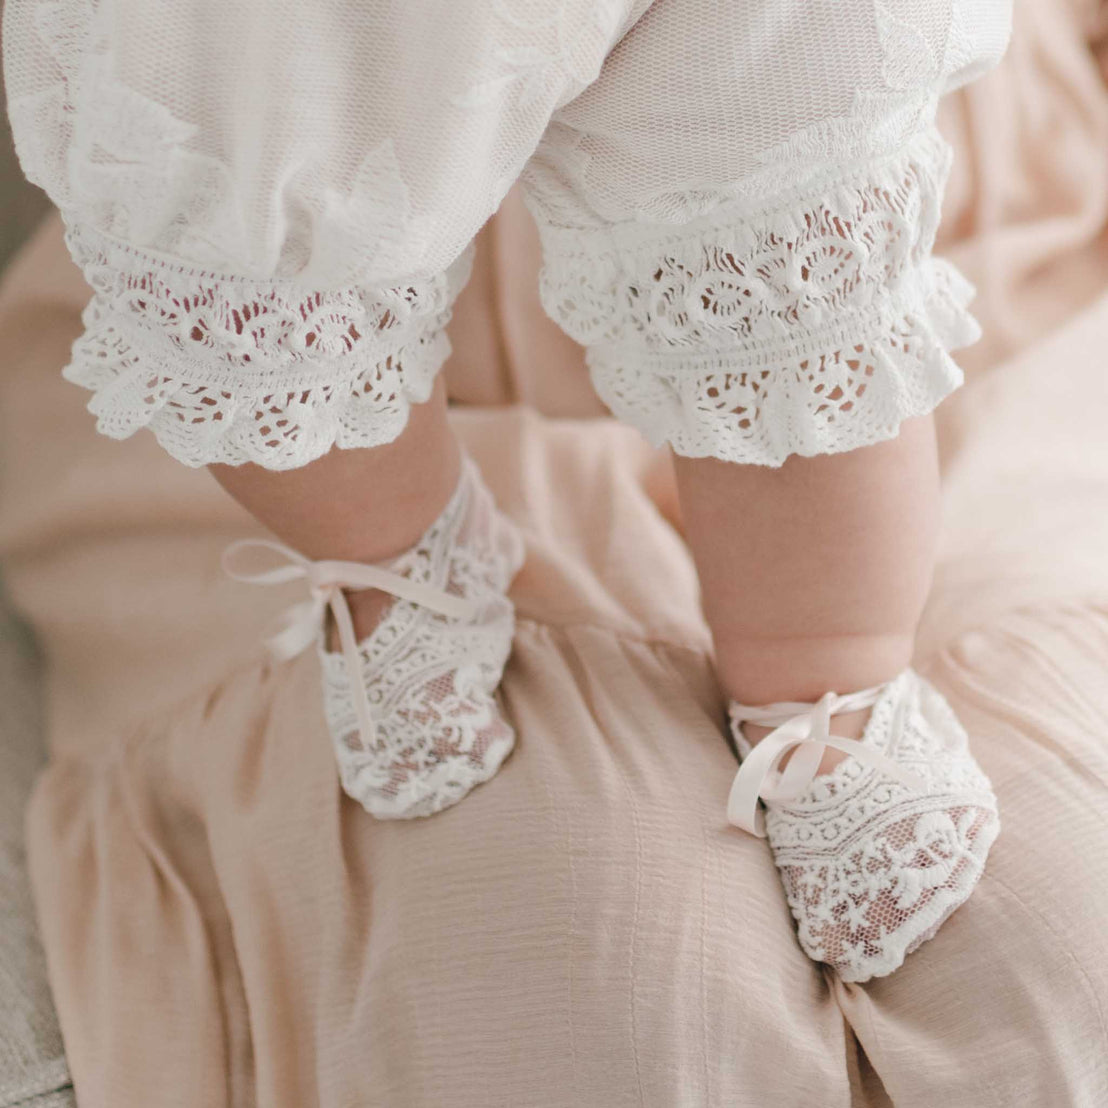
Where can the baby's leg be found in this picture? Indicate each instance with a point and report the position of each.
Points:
(410, 697)
(814, 575)
(364, 505)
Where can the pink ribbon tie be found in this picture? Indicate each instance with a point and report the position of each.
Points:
(807, 728)
(297, 627)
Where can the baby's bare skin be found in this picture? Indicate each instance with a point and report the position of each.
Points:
(358, 505)
(813, 575)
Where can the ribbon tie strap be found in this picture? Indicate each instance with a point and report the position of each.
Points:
(807, 728)
(297, 627)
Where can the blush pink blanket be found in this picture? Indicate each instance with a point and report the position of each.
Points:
(224, 928)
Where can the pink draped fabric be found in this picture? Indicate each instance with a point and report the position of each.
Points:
(223, 927)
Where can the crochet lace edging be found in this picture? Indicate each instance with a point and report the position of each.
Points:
(227, 370)
(814, 323)
(810, 400)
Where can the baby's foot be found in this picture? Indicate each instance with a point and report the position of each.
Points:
(431, 680)
(872, 865)
(411, 708)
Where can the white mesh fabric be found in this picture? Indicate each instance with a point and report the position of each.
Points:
(737, 202)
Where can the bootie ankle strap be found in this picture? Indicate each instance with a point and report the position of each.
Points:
(806, 727)
(298, 627)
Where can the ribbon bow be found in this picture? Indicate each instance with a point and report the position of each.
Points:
(297, 627)
(807, 728)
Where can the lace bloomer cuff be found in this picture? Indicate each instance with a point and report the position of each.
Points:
(751, 333)
(233, 370)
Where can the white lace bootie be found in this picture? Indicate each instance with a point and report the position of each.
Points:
(412, 708)
(877, 853)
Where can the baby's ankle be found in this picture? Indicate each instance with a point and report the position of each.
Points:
(849, 725)
(802, 669)
(367, 608)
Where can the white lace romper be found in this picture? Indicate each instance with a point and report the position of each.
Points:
(274, 204)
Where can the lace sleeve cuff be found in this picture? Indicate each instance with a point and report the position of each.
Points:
(812, 327)
(232, 370)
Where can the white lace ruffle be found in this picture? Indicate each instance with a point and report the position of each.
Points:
(232, 370)
(815, 327)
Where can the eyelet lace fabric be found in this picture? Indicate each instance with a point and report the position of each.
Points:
(234, 370)
(815, 327)
(871, 868)
(431, 680)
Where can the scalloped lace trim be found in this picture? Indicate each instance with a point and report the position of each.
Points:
(871, 869)
(744, 335)
(231, 370)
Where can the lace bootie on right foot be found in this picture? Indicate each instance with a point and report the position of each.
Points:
(412, 709)
(876, 854)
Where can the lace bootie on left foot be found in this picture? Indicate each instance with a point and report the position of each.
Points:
(412, 709)
(876, 854)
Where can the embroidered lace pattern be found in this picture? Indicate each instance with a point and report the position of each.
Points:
(871, 869)
(232, 370)
(746, 334)
(737, 204)
(431, 680)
